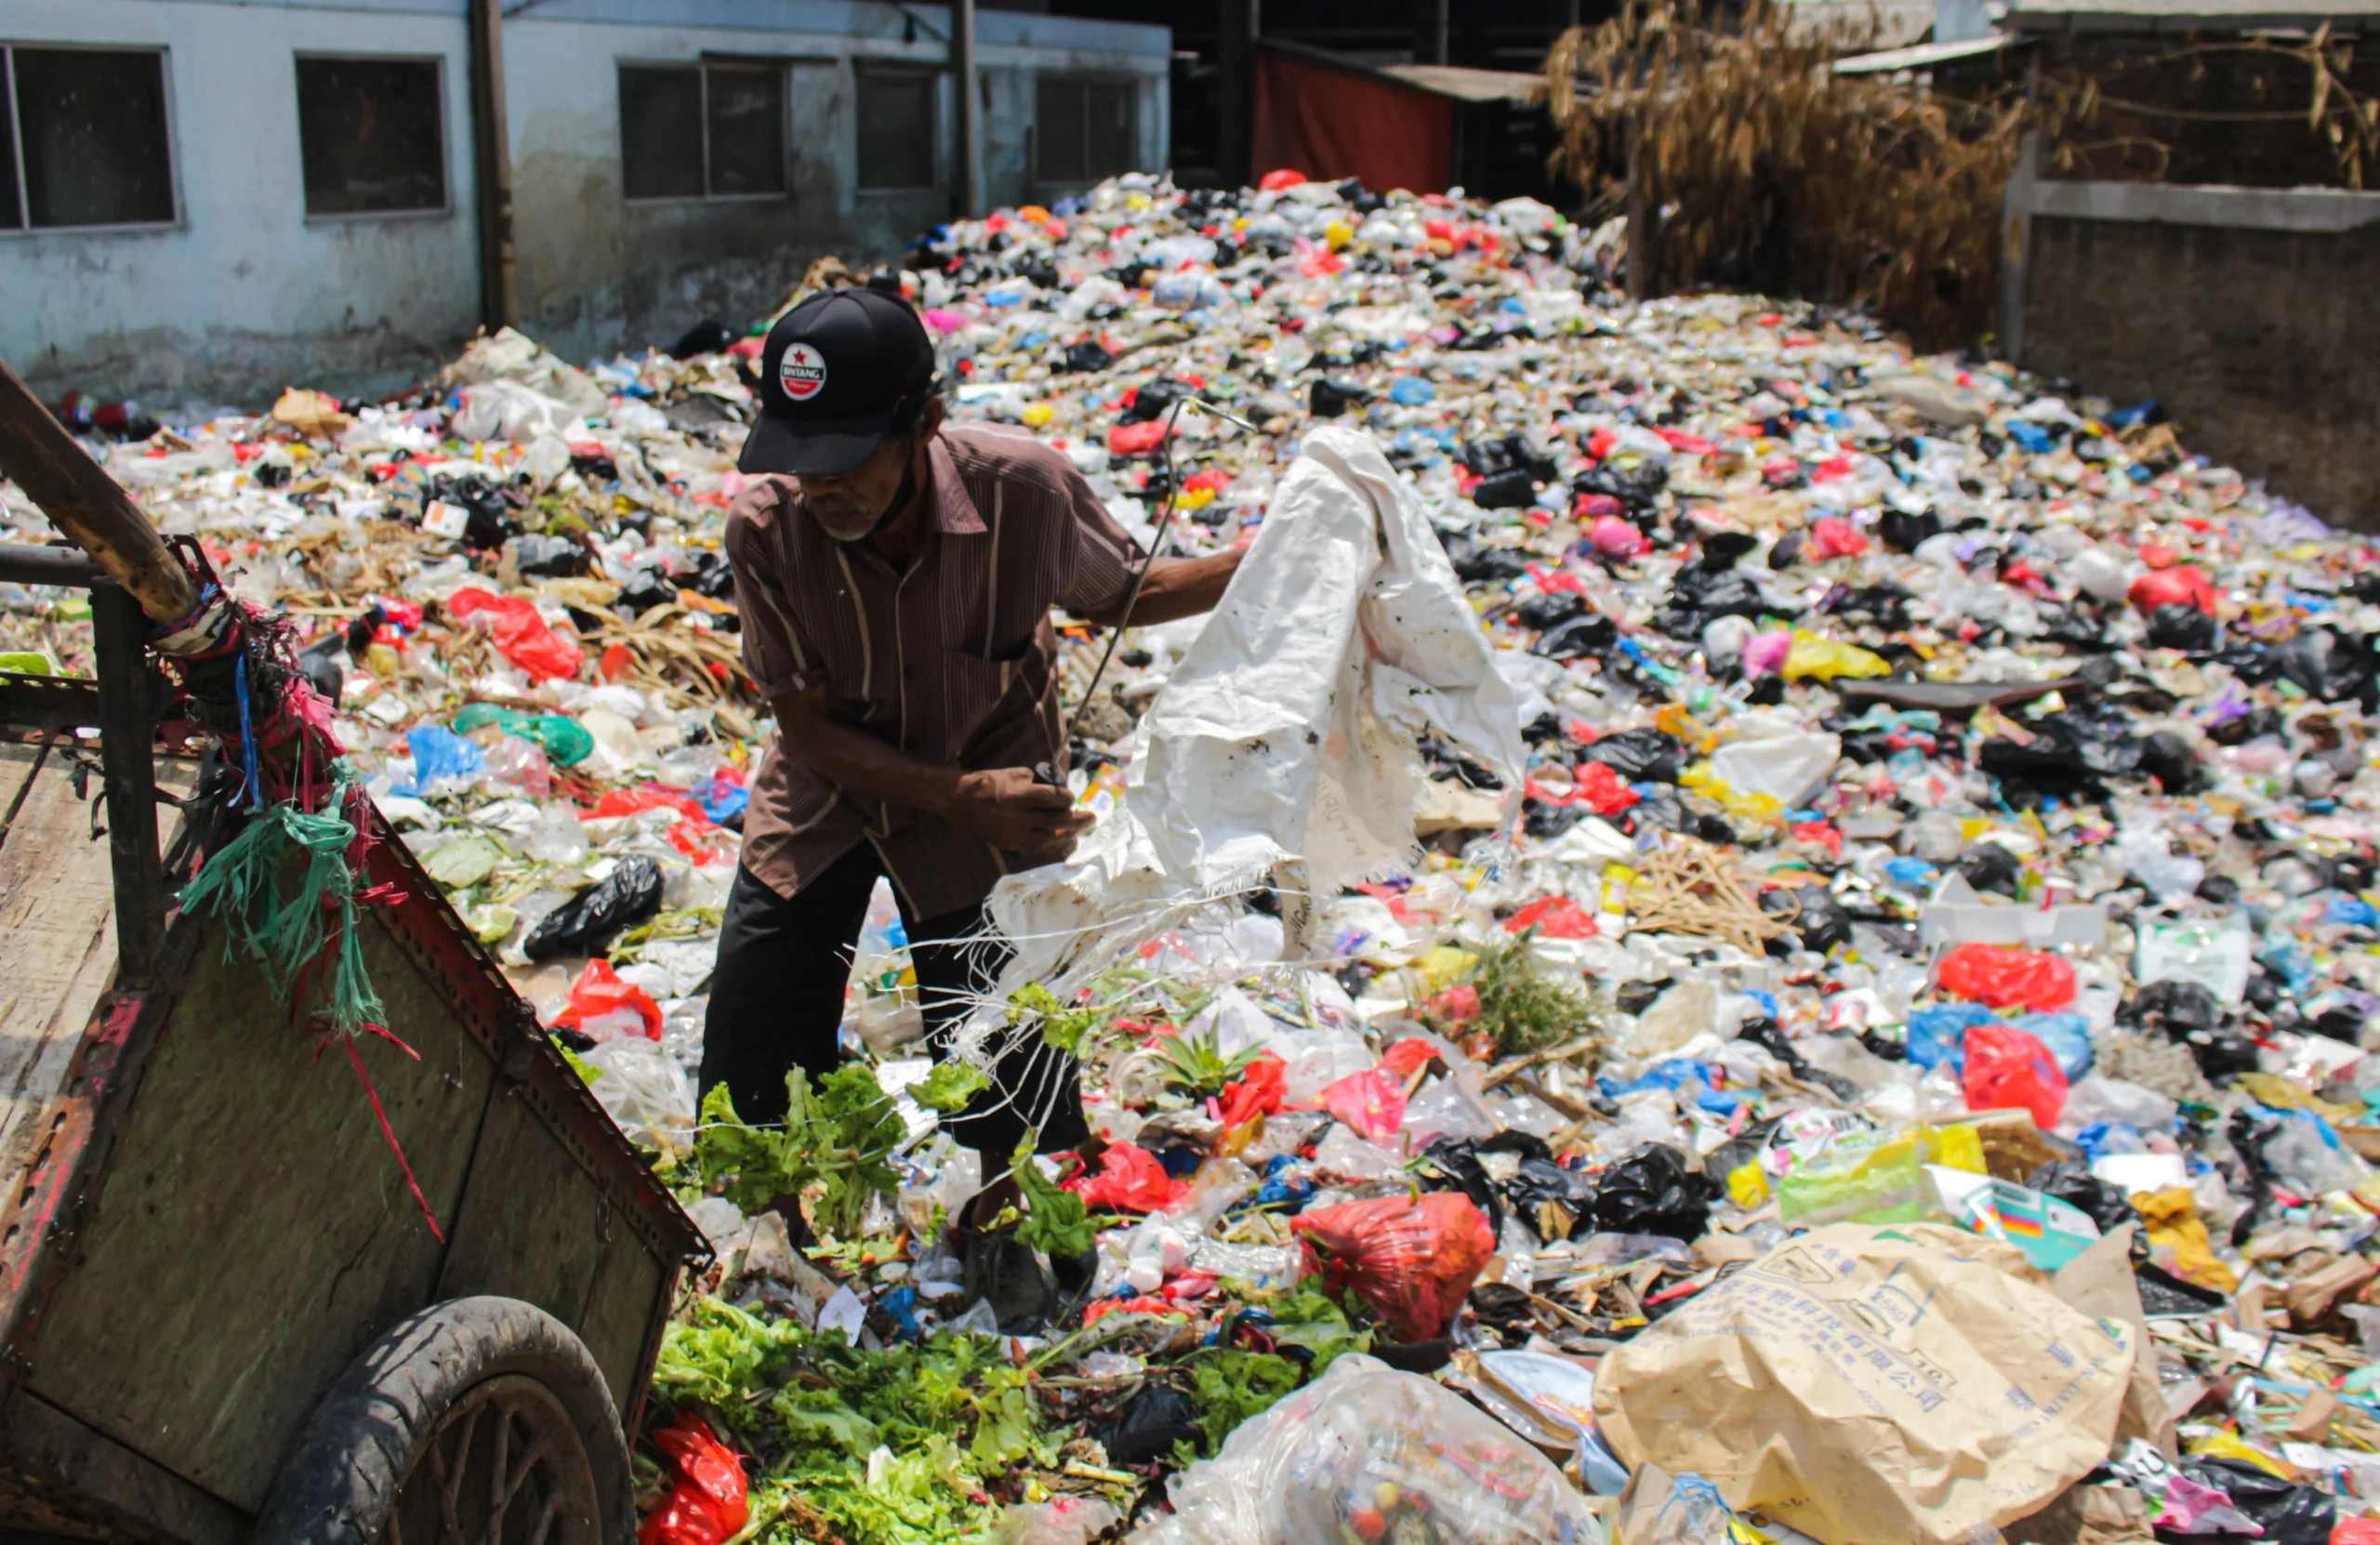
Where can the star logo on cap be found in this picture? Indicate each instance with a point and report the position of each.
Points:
(803, 372)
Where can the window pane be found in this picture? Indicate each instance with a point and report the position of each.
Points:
(746, 131)
(896, 132)
(1058, 130)
(369, 134)
(1109, 149)
(94, 124)
(661, 132)
(11, 214)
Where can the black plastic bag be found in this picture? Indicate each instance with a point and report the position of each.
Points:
(1148, 1427)
(2166, 758)
(1990, 867)
(1902, 532)
(1718, 593)
(1477, 564)
(549, 557)
(2325, 665)
(1653, 1192)
(1550, 609)
(1816, 917)
(2290, 1514)
(1153, 400)
(2178, 624)
(2187, 1012)
(1770, 1037)
(1088, 355)
(1513, 490)
(1640, 756)
(2073, 1184)
(585, 924)
(1588, 633)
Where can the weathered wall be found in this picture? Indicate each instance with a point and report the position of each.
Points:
(2263, 345)
(245, 294)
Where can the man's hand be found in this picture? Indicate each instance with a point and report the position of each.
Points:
(1006, 808)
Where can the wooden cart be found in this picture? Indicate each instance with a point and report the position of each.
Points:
(222, 1316)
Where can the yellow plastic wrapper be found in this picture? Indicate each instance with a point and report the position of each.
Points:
(1823, 658)
(2174, 1222)
(1444, 965)
(2226, 1446)
(1748, 1185)
(1037, 414)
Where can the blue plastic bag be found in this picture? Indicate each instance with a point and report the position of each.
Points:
(1938, 1034)
(2068, 1037)
(442, 761)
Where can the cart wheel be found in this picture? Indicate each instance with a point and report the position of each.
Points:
(477, 1421)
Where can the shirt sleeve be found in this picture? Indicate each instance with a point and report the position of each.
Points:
(778, 659)
(1100, 561)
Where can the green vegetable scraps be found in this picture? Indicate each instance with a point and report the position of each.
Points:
(837, 1137)
(1061, 1027)
(1521, 1009)
(1056, 1218)
(894, 1447)
(950, 1086)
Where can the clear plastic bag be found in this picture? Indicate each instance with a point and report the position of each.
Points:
(1063, 1521)
(1367, 1452)
(645, 1090)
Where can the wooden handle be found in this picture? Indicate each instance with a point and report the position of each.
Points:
(39, 456)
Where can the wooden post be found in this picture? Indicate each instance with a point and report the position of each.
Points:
(82, 501)
(492, 163)
(1235, 93)
(2015, 244)
(970, 190)
(1643, 225)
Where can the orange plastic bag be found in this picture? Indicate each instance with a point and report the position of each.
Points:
(708, 1500)
(1412, 1261)
(521, 636)
(1259, 1091)
(601, 1005)
(2007, 1068)
(2005, 978)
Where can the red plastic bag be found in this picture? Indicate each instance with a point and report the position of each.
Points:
(1372, 1102)
(1136, 440)
(1556, 916)
(598, 993)
(2356, 1531)
(2184, 586)
(1411, 1261)
(1412, 1054)
(1259, 1091)
(2004, 977)
(2007, 1068)
(1833, 536)
(1130, 1180)
(1279, 178)
(521, 636)
(1603, 791)
(709, 1500)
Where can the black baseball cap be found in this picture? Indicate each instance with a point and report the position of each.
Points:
(834, 372)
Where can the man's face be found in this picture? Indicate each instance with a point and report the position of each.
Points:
(849, 507)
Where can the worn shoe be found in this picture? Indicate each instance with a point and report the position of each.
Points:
(1002, 1271)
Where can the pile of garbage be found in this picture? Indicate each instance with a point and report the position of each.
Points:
(1886, 1061)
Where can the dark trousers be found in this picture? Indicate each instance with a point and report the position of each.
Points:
(776, 1003)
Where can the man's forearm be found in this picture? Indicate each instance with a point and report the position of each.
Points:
(1175, 587)
(860, 763)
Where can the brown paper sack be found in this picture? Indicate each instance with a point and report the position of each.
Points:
(1873, 1386)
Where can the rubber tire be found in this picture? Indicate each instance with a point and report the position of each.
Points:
(341, 1482)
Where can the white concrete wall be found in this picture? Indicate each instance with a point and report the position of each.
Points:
(212, 304)
(244, 294)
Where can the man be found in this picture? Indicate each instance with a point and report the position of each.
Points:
(894, 577)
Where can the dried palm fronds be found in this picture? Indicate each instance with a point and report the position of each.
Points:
(1769, 168)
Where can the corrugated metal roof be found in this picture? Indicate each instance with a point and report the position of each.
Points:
(1466, 85)
(1923, 56)
(2166, 15)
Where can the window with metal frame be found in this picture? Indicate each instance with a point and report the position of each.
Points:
(715, 129)
(1083, 129)
(85, 137)
(371, 134)
(897, 119)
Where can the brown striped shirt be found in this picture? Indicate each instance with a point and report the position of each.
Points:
(951, 659)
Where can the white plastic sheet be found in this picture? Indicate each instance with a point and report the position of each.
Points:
(1287, 738)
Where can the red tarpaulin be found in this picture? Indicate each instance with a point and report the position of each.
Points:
(1329, 125)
